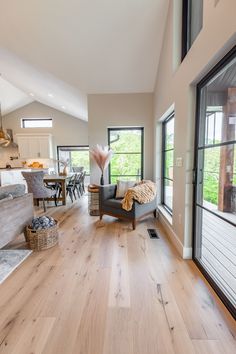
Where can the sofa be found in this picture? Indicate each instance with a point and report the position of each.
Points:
(16, 211)
(109, 205)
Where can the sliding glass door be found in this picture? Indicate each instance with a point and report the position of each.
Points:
(215, 182)
(75, 155)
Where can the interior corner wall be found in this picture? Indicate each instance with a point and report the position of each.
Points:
(177, 86)
(67, 130)
(121, 110)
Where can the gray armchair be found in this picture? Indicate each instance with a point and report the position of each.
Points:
(109, 205)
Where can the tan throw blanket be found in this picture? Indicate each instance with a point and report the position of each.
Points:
(143, 192)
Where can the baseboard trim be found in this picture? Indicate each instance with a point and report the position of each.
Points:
(185, 252)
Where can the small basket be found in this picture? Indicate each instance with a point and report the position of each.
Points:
(39, 240)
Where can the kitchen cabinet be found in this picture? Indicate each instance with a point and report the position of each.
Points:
(23, 146)
(35, 146)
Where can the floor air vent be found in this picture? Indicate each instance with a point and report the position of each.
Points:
(153, 233)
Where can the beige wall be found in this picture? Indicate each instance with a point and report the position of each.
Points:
(67, 130)
(119, 110)
(176, 87)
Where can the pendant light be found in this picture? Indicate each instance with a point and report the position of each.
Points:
(5, 139)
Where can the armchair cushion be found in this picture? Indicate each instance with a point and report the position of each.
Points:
(122, 187)
(113, 203)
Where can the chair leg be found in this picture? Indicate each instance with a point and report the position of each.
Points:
(44, 205)
(77, 190)
(55, 199)
(74, 194)
(134, 224)
(71, 196)
(100, 216)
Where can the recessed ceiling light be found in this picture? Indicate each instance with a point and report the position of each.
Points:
(63, 107)
(50, 95)
(31, 94)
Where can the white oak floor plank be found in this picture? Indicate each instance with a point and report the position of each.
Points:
(106, 289)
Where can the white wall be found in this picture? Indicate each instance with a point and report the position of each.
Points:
(175, 85)
(67, 130)
(119, 110)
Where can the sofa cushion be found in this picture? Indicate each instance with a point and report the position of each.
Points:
(16, 190)
(122, 187)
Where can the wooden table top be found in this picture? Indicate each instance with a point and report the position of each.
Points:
(57, 177)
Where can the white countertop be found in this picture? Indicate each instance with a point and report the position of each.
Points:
(14, 169)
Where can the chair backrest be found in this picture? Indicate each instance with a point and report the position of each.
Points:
(78, 169)
(79, 177)
(35, 184)
(83, 176)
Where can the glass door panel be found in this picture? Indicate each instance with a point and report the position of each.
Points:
(215, 185)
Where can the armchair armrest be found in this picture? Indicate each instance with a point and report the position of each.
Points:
(107, 192)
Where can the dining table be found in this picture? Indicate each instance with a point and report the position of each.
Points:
(62, 180)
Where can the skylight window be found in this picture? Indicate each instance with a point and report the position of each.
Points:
(36, 123)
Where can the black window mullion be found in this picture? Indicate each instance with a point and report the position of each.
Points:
(210, 146)
(169, 179)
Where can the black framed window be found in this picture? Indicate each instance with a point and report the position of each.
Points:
(127, 146)
(76, 155)
(192, 18)
(168, 162)
(36, 122)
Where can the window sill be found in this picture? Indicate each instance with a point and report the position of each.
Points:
(165, 213)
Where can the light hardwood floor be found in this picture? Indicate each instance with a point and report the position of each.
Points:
(107, 289)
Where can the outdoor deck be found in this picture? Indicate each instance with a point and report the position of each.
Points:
(219, 252)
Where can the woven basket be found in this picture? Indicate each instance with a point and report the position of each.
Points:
(39, 240)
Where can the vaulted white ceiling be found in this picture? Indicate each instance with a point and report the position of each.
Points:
(11, 98)
(41, 86)
(91, 46)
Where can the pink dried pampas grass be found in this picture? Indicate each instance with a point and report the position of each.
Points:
(102, 156)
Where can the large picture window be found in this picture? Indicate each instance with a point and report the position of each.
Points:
(127, 145)
(192, 17)
(167, 162)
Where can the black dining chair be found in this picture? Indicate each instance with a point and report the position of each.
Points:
(80, 184)
(71, 187)
(78, 169)
(77, 184)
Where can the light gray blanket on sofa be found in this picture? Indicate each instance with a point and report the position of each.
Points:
(15, 212)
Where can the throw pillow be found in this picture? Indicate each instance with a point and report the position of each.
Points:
(122, 187)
